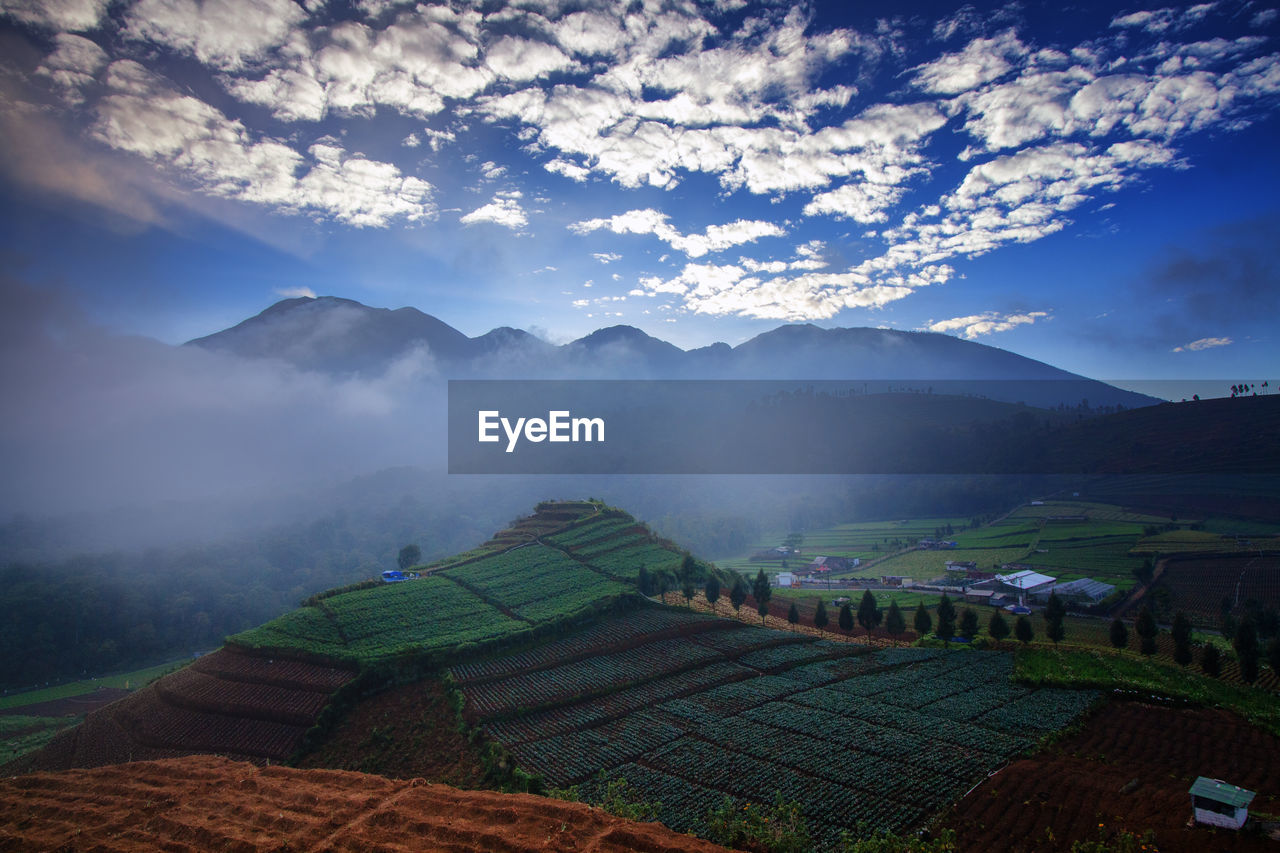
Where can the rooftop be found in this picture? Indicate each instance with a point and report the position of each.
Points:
(1221, 792)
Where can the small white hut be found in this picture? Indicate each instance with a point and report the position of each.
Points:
(1218, 803)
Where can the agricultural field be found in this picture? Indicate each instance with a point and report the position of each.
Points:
(555, 565)
(866, 540)
(690, 708)
(1199, 585)
(1127, 769)
(226, 702)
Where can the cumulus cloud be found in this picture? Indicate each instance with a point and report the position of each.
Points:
(649, 221)
(66, 15)
(144, 115)
(989, 322)
(220, 33)
(982, 60)
(1203, 344)
(504, 210)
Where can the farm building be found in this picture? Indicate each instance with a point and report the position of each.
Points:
(1083, 592)
(830, 564)
(1018, 584)
(784, 579)
(982, 596)
(1218, 803)
(895, 580)
(961, 565)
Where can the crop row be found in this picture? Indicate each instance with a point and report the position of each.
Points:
(563, 683)
(583, 714)
(518, 567)
(596, 529)
(816, 756)
(278, 672)
(749, 777)
(159, 724)
(574, 756)
(792, 654)
(824, 672)
(747, 638)
(626, 562)
(735, 697)
(306, 629)
(619, 541)
(614, 632)
(198, 691)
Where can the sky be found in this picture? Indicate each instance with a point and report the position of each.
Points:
(1090, 184)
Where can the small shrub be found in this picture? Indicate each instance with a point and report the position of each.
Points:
(780, 829)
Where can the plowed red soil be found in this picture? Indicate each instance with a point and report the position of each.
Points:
(204, 803)
(1129, 768)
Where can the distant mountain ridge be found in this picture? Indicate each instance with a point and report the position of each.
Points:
(337, 335)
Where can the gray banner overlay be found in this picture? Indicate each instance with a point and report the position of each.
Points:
(846, 427)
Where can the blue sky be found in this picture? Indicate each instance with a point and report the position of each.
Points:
(1093, 185)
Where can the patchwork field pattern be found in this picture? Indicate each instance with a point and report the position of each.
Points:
(556, 564)
(888, 737)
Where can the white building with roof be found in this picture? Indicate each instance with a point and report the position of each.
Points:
(1019, 585)
(1219, 803)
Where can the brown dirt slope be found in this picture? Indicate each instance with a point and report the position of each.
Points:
(227, 703)
(204, 803)
(1129, 768)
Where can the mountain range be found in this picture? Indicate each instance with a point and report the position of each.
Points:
(341, 336)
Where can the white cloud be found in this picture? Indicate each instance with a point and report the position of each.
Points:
(982, 61)
(986, 323)
(1204, 344)
(73, 65)
(649, 221)
(65, 15)
(145, 116)
(219, 33)
(411, 141)
(504, 210)
(1161, 20)
(1264, 18)
(296, 292)
(606, 257)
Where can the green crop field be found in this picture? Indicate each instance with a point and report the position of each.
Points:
(888, 737)
(494, 594)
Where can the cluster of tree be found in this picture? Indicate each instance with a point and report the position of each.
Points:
(1242, 389)
(1246, 641)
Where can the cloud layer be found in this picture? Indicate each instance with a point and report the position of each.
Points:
(942, 140)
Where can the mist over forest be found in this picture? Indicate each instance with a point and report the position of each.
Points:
(158, 498)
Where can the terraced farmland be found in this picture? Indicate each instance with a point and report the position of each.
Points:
(257, 698)
(226, 702)
(689, 709)
(565, 561)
